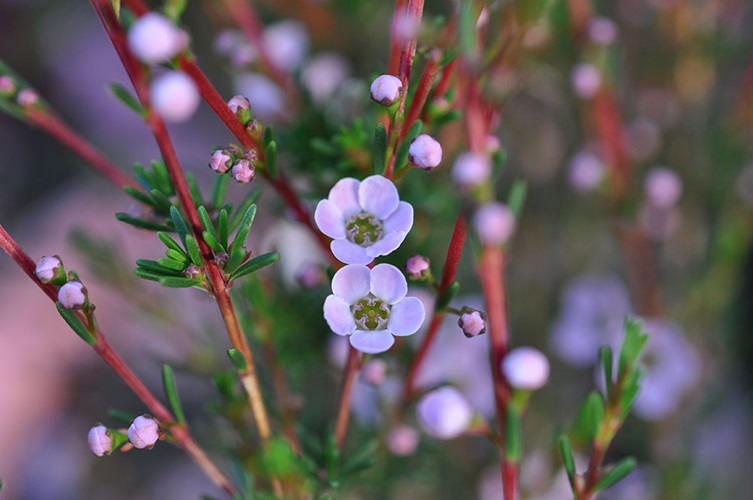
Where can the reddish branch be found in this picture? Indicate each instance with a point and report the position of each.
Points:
(346, 391)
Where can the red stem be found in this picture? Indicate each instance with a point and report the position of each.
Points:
(394, 40)
(346, 391)
(422, 92)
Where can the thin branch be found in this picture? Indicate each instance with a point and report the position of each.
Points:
(346, 391)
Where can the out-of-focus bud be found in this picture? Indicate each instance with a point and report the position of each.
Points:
(310, 276)
(444, 413)
(153, 39)
(402, 440)
(425, 152)
(220, 161)
(525, 368)
(386, 90)
(174, 96)
(243, 172)
(286, 43)
(100, 441)
(602, 31)
(471, 169)
(7, 86)
(221, 259)
(586, 80)
(144, 432)
(374, 371)
(50, 270)
(194, 272)
(241, 108)
(72, 295)
(492, 144)
(494, 223)
(255, 129)
(27, 98)
(472, 322)
(586, 172)
(663, 187)
(418, 267)
(324, 74)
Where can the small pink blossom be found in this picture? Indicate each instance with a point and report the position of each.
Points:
(425, 152)
(220, 161)
(286, 44)
(374, 371)
(243, 172)
(100, 441)
(72, 295)
(444, 413)
(402, 440)
(7, 86)
(586, 80)
(153, 39)
(494, 223)
(472, 322)
(602, 31)
(586, 172)
(27, 98)
(386, 89)
(525, 368)
(663, 187)
(174, 96)
(49, 269)
(471, 169)
(144, 432)
(324, 74)
(418, 267)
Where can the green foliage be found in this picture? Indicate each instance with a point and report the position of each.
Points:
(171, 392)
(76, 325)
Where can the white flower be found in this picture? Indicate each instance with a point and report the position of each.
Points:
(386, 89)
(243, 172)
(366, 219)
(72, 295)
(494, 223)
(472, 169)
(153, 38)
(425, 152)
(174, 96)
(444, 413)
(100, 442)
(586, 80)
(144, 432)
(49, 268)
(370, 306)
(286, 43)
(220, 161)
(525, 368)
(663, 187)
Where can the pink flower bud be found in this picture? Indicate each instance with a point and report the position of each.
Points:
(72, 295)
(174, 96)
(7, 86)
(241, 108)
(402, 440)
(663, 187)
(144, 432)
(27, 98)
(586, 80)
(153, 39)
(444, 413)
(494, 223)
(425, 152)
(220, 161)
(221, 259)
(586, 172)
(100, 442)
(525, 368)
(602, 31)
(50, 270)
(243, 172)
(286, 43)
(374, 371)
(194, 272)
(418, 267)
(471, 169)
(386, 90)
(492, 144)
(472, 322)
(310, 276)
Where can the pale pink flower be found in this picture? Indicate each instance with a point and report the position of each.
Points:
(174, 96)
(100, 442)
(153, 39)
(494, 223)
(444, 413)
(386, 89)
(525, 368)
(144, 432)
(72, 295)
(425, 152)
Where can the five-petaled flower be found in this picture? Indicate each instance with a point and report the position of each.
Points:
(370, 306)
(366, 219)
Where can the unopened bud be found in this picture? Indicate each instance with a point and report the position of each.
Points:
(525, 368)
(174, 96)
(472, 322)
(418, 267)
(602, 31)
(144, 432)
(243, 171)
(252, 155)
(221, 259)
(255, 129)
(425, 152)
(220, 161)
(310, 276)
(386, 90)
(472, 169)
(153, 39)
(494, 223)
(241, 108)
(402, 440)
(100, 441)
(444, 413)
(50, 270)
(27, 98)
(194, 272)
(586, 80)
(663, 187)
(374, 371)
(72, 295)
(586, 172)
(7, 86)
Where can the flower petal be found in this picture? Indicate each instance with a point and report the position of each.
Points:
(406, 317)
(351, 283)
(388, 283)
(378, 196)
(338, 315)
(329, 219)
(349, 253)
(401, 219)
(344, 194)
(372, 342)
(386, 245)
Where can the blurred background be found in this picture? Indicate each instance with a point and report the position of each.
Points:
(676, 249)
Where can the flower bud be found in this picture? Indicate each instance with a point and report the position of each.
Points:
(50, 270)
(310, 276)
(220, 161)
(27, 98)
(243, 172)
(7, 86)
(586, 80)
(525, 368)
(286, 43)
(241, 108)
(494, 223)
(402, 440)
(221, 259)
(72, 295)
(425, 152)
(174, 96)
(586, 172)
(471, 169)
(255, 129)
(144, 432)
(663, 187)
(386, 90)
(100, 441)
(472, 322)
(194, 272)
(374, 371)
(602, 31)
(153, 39)
(418, 267)
(444, 413)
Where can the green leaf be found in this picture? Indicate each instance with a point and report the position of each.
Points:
(567, 459)
(513, 436)
(180, 224)
(193, 188)
(380, 149)
(169, 242)
(162, 178)
(76, 325)
(255, 264)
(148, 275)
(175, 265)
(218, 190)
(517, 196)
(139, 196)
(212, 242)
(141, 223)
(269, 135)
(446, 297)
(171, 391)
(605, 357)
(362, 459)
(616, 473)
(174, 9)
(589, 418)
(193, 251)
(243, 229)
(176, 282)
(125, 96)
(160, 268)
(222, 228)
(632, 345)
(237, 359)
(122, 416)
(242, 209)
(401, 157)
(178, 256)
(161, 201)
(145, 178)
(271, 159)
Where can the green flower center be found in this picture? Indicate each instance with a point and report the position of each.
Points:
(364, 229)
(371, 313)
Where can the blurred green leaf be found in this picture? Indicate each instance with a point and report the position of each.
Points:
(255, 264)
(125, 96)
(171, 391)
(616, 473)
(75, 323)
